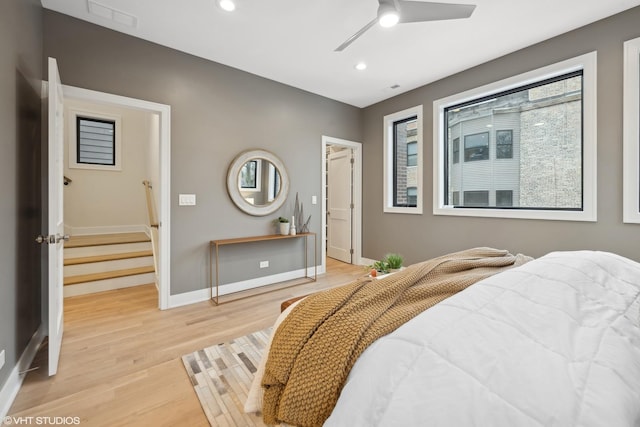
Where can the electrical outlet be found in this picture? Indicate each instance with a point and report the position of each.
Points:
(187, 199)
(264, 264)
(1, 359)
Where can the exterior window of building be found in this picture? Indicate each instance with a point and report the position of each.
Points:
(456, 150)
(476, 147)
(456, 198)
(541, 126)
(504, 198)
(412, 154)
(402, 160)
(504, 144)
(476, 198)
(412, 196)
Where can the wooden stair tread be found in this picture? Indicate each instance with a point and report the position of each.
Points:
(108, 257)
(106, 239)
(82, 278)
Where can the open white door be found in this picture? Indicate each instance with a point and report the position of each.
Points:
(339, 205)
(55, 220)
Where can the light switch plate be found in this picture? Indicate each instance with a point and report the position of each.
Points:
(187, 199)
(314, 200)
(2, 359)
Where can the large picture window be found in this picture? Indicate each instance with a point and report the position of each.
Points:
(529, 140)
(403, 161)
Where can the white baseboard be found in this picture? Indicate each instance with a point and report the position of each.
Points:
(188, 298)
(11, 387)
(205, 294)
(107, 229)
(366, 261)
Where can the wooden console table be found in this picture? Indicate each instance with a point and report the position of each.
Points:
(214, 246)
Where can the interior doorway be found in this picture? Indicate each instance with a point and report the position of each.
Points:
(161, 157)
(341, 200)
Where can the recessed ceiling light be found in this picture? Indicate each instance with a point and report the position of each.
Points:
(227, 5)
(360, 66)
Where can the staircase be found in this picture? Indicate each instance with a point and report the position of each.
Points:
(102, 262)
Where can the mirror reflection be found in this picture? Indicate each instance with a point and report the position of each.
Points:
(259, 182)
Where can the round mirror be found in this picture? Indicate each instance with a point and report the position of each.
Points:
(257, 182)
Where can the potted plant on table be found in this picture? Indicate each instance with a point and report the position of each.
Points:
(283, 224)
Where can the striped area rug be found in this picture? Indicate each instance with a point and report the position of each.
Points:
(221, 376)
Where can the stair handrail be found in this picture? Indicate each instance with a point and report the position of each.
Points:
(153, 221)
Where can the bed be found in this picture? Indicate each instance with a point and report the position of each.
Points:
(553, 342)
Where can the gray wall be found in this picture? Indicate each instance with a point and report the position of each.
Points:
(20, 210)
(418, 237)
(217, 111)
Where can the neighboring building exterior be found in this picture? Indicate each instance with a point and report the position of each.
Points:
(498, 153)
(406, 168)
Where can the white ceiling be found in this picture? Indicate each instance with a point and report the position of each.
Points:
(293, 41)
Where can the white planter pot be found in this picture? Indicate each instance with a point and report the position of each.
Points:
(284, 228)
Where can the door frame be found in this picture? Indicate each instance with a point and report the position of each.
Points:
(164, 231)
(356, 227)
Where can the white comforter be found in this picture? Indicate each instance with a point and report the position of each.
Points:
(555, 342)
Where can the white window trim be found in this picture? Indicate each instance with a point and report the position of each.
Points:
(388, 122)
(587, 63)
(73, 146)
(631, 132)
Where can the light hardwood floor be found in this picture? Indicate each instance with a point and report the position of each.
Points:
(120, 362)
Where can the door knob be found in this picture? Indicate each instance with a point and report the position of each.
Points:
(51, 239)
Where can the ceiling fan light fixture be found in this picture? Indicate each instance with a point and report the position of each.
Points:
(388, 15)
(227, 5)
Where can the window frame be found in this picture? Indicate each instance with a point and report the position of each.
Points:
(631, 132)
(388, 160)
(588, 64)
(74, 115)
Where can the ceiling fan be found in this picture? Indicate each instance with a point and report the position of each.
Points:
(392, 12)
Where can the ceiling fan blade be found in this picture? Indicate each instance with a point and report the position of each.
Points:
(354, 37)
(418, 11)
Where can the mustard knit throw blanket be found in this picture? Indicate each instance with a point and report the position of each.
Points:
(315, 347)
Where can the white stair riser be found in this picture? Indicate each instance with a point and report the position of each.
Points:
(109, 284)
(106, 249)
(104, 266)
